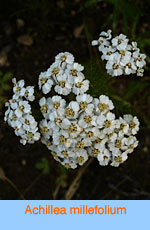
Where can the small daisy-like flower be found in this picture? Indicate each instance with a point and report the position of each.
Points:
(120, 42)
(64, 58)
(23, 108)
(103, 104)
(104, 157)
(81, 156)
(72, 110)
(101, 43)
(18, 88)
(139, 58)
(113, 65)
(74, 70)
(87, 120)
(85, 103)
(131, 143)
(63, 86)
(80, 85)
(133, 123)
(107, 122)
(45, 83)
(29, 93)
(117, 160)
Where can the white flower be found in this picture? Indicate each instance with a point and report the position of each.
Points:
(85, 103)
(107, 52)
(120, 42)
(107, 122)
(113, 65)
(23, 108)
(74, 70)
(81, 156)
(45, 128)
(123, 127)
(72, 110)
(101, 42)
(140, 72)
(118, 146)
(65, 58)
(131, 143)
(103, 104)
(133, 123)
(80, 85)
(18, 88)
(44, 107)
(45, 83)
(104, 157)
(117, 160)
(107, 34)
(139, 58)
(62, 138)
(129, 65)
(55, 70)
(63, 85)
(29, 91)
(87, 120)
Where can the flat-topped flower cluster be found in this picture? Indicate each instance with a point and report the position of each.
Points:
(121, 56)
(19, 115)
(76, 130)
(86, 127)
(65, 75)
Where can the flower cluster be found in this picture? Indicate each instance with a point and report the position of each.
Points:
(121, 56)
(86, 127)
(18, 113)
(65, 75)
(76, 130)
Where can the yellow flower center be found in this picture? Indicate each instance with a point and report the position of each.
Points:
(79, 84)
(21, 108)
(115, 66)
(56, 105)
(43, 80)
(55, 71)
(62, 139)
(69, 112)
(80, 145)
(83, 105)
(132, 125)
(88, 119)
(73, 128)
(80, 159)
(30, 135)
(45, 129)
(103, 106)
(95, 152)
(73, 72)
(107, 124)
(61, 83)
(122, 52)
(118, 159)
(63, 58)
(89, 134)
(118, 144)
(44, 108)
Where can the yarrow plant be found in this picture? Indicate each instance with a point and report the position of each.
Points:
(121, 56)
(74, 130)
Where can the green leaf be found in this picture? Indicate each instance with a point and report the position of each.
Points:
(44, 165)
(91, 2)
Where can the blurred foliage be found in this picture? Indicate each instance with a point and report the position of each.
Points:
(4, 86)
(43, 165)
(62, 178)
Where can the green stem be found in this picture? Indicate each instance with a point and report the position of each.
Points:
(15, 187)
